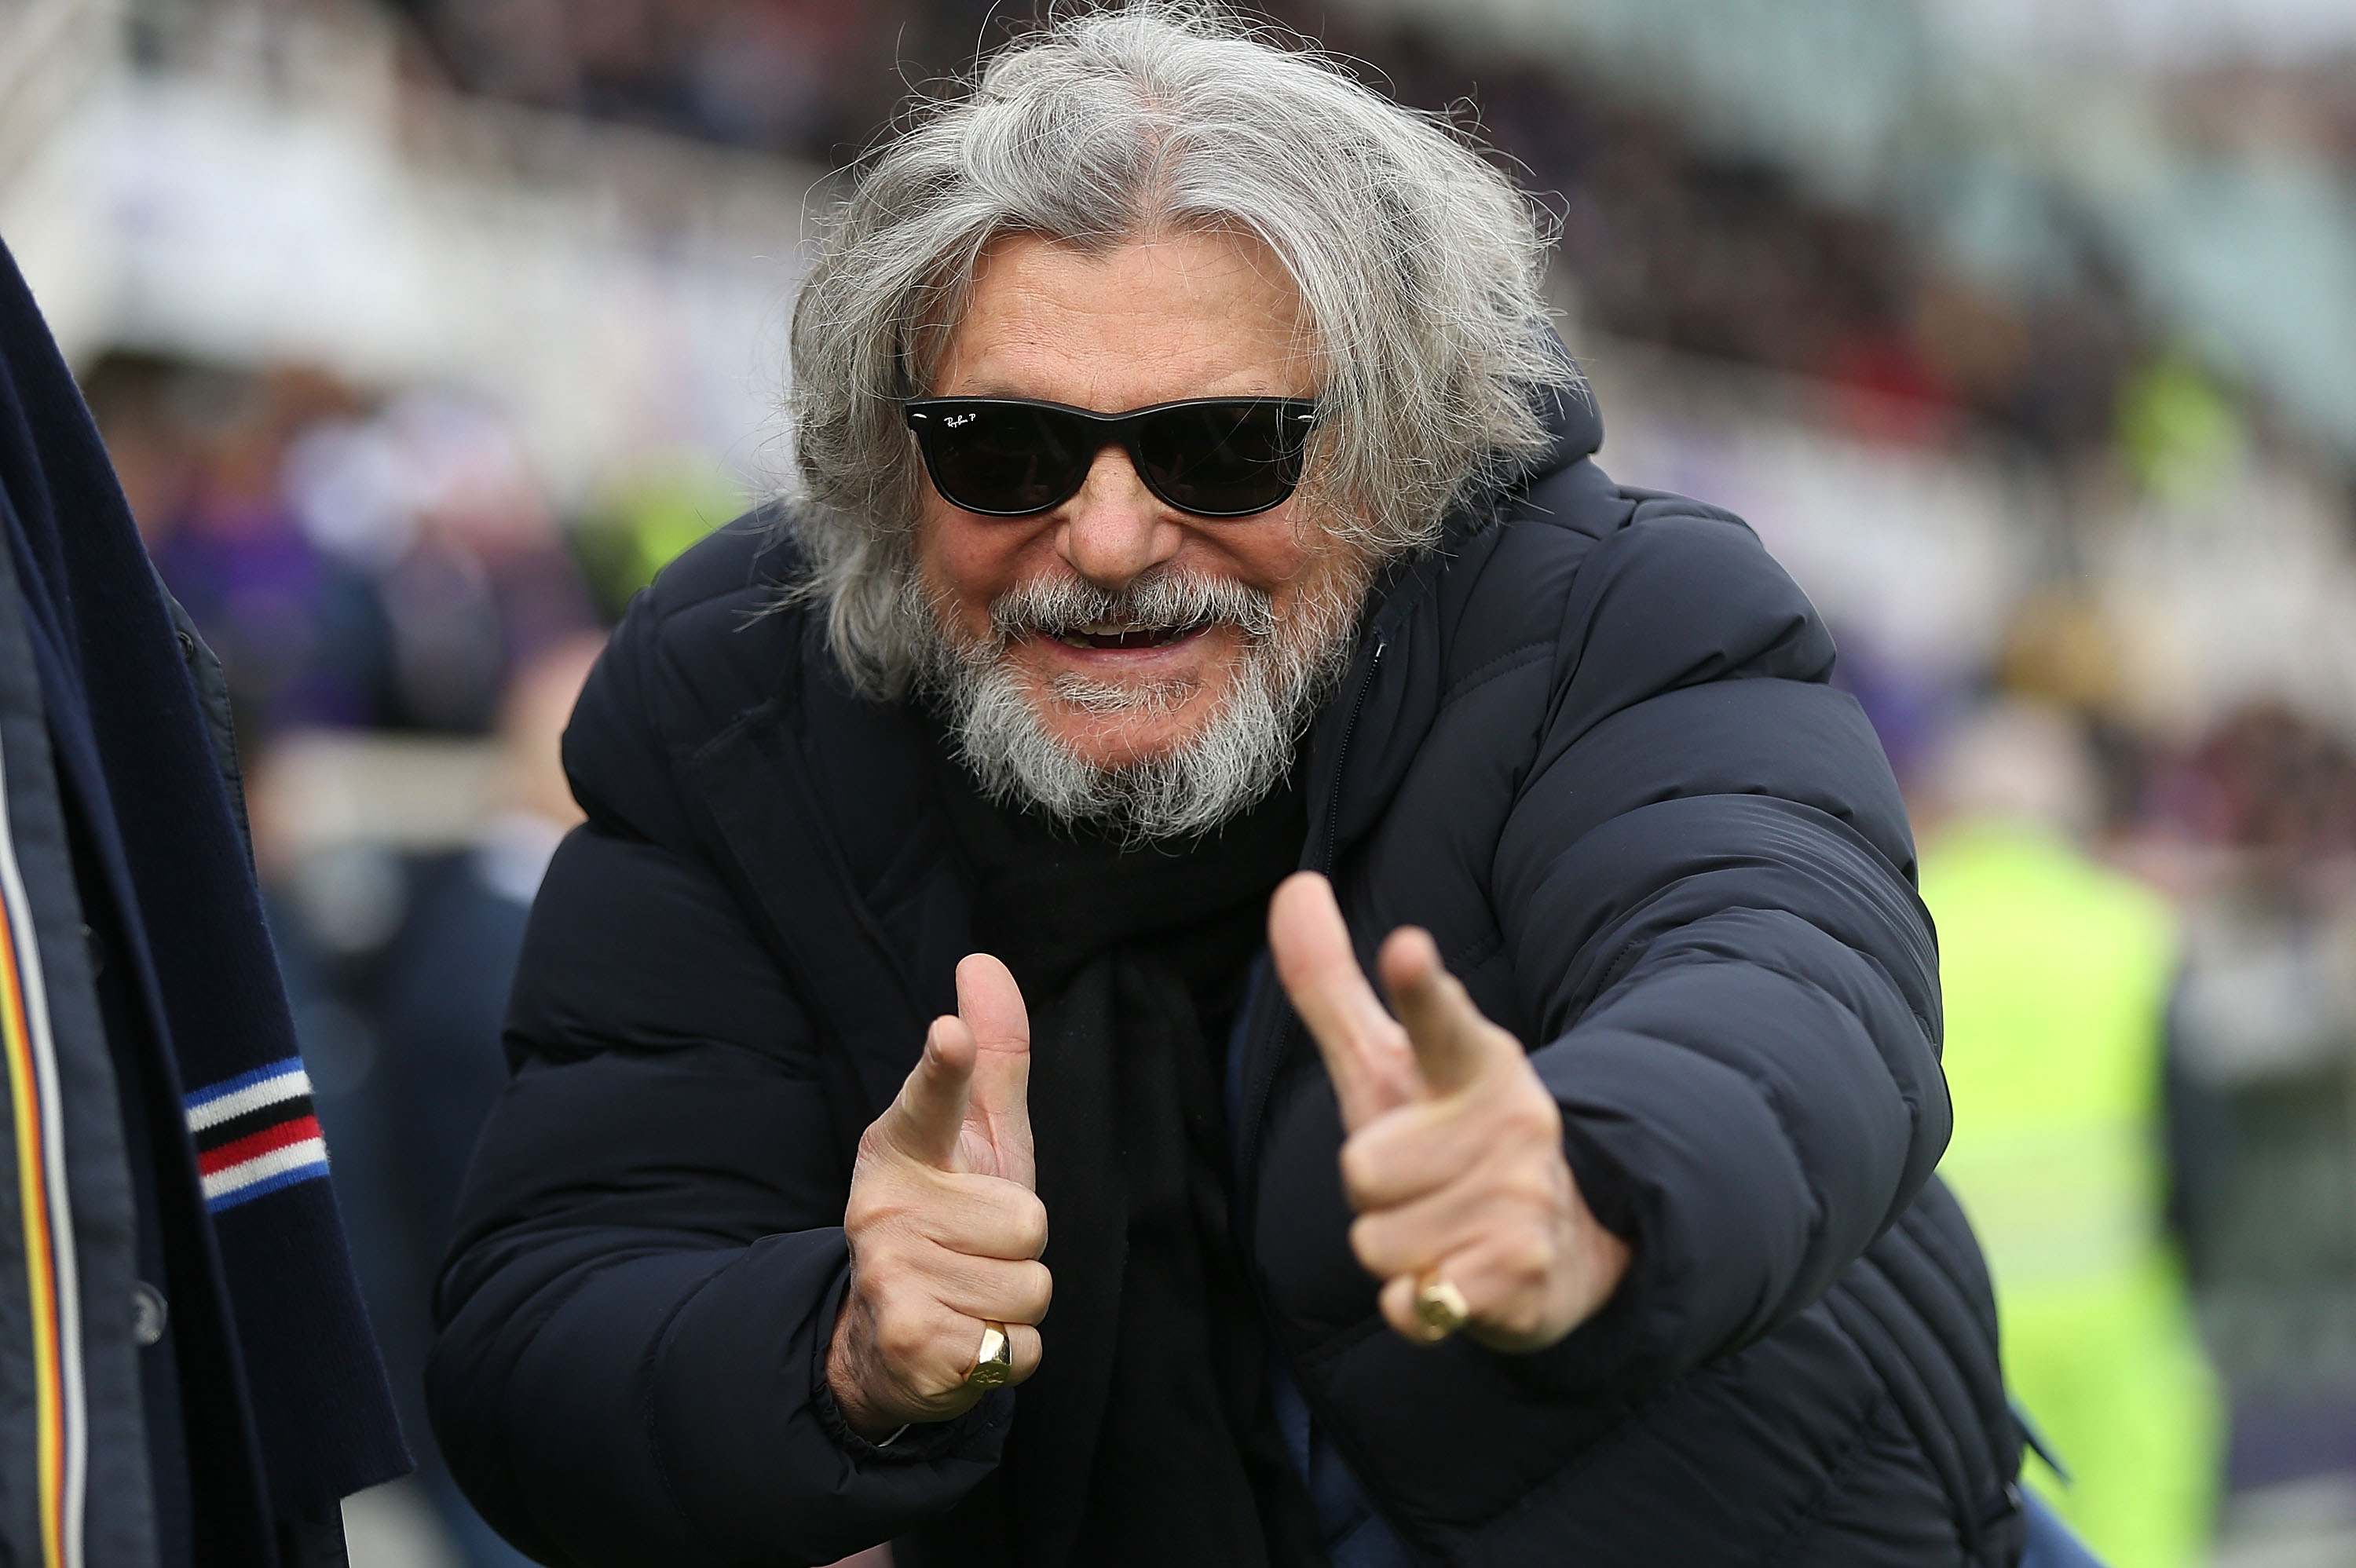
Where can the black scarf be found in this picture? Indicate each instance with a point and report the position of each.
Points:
(1146, 1438)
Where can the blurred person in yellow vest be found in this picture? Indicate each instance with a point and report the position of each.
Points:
(2056, 973)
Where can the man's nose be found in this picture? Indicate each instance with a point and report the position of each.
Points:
(1116, 528)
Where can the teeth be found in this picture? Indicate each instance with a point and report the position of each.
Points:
(1077, 636)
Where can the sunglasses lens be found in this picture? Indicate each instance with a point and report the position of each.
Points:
(1002, 459)
(1222, 459)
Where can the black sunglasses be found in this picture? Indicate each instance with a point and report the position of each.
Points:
(1014, 457)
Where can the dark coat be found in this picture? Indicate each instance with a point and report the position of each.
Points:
(1591, 746)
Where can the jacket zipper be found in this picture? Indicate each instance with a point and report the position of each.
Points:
(1342, 755)
(1255, 1096)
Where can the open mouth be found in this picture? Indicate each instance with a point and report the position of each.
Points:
(1126, 636)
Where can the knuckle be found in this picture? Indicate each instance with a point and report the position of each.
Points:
(883, 1262)
(905, 1292)
(1372, 1243)
(1531, 1116)
(1518, 1315)
(1527, 1186)
(887, 1197)
(901, 1338)
(1528, 1256)
(1029, 1350)
(1031, 1225)
(882, 1288)
(869, 1209)
(1038, 1290)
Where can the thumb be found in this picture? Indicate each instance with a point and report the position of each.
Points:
(923, 1118)
(1453, 1043)
(990, 1005)
(1365, 1049)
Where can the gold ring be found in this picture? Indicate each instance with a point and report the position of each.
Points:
(1439, 1306)
(994, 1363)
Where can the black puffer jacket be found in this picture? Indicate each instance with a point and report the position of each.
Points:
(1590, 747)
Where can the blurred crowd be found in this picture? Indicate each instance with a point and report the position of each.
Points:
(370, 569)
(360, 568)
(1665, 241)
(2246, 828)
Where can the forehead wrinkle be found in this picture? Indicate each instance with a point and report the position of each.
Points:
(1051, 320)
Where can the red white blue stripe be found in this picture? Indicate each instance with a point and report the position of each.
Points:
(256, 1134)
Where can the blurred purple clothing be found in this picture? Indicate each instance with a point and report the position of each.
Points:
(297, 632)
(309, 639)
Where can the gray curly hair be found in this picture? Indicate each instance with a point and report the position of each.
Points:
(1419, 266)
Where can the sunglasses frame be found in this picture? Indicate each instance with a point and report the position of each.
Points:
(1107, 430)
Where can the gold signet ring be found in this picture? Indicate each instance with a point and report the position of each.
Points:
(994, 1363)
(1439, 1306)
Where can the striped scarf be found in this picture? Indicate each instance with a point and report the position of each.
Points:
(102, 725)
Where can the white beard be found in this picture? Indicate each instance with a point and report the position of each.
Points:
(1283, 673)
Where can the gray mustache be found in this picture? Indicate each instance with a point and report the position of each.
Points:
(1054, 607)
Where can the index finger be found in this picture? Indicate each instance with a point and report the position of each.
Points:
(1365, 1049)
(1454, 1044)
(924, 1118)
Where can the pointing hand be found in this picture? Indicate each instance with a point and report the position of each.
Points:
(1453, 1150)
(945, 1228)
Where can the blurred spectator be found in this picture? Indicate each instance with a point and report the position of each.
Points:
(434, 500)
(653, 513)
(295, 629)
(355, 571)
(2057, 974)
(2268, 781)
(2256, 823)
(2180, 431)
(404, 1028)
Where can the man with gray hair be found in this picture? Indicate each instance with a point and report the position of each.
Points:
(1198, 595)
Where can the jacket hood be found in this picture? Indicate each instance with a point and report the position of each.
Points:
(1572, 417)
